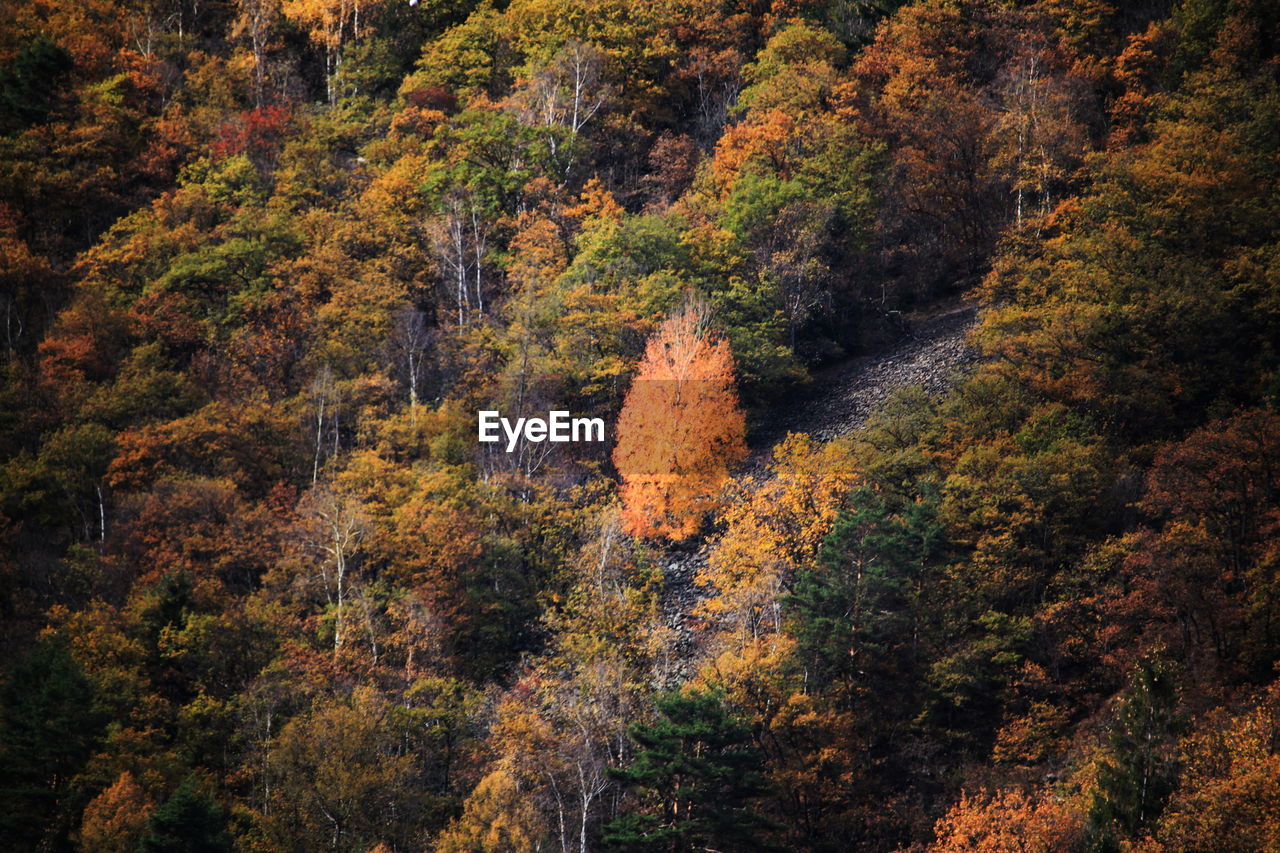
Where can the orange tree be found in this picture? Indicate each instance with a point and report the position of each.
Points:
(680, 429)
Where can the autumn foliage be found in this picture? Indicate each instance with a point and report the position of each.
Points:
(262, 261)
(680, 430)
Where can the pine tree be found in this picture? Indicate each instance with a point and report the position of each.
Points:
(49, 726)
(699, 774)
(851, 614)
(29, 84)
(189, 822)
(1136, 780)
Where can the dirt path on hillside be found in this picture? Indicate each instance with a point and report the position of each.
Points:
(934, 353)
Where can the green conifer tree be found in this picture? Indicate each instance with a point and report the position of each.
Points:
(49, 726)
(1138, 776)
(189, 822)
(699, 775)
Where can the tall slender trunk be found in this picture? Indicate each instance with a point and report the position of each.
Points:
(478, 248)
(315, 464)
(102, 516)
(341, 569)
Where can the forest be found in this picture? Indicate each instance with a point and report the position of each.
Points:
(262, 590)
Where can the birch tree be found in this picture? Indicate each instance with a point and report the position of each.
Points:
(334, 526)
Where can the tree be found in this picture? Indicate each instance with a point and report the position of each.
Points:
(922, 87)
(329, 23)
(680, 429)
(333, 527)
(498, 817)
(342, 777)
(1205, 579)
(563, 725)
(26, 284)
(115, 820)
(1228, 796)
(795, 71)
(771, 532)
(1037, 140)
(460, 235)
(190, 821)
(851, 615)
(29, 83)
(409, 346)
(700, 774)
(256, 22)
(49, 726)
(1008, 822)
(787, 232)
(1140, 771)
(563, 96)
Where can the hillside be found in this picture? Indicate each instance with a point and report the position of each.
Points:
(930, 355)
(931, 352)
(934, 344)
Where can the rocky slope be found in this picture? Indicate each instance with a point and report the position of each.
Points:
(933, 353)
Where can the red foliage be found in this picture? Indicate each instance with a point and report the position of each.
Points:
(256, 133)
(432, 98)
(1203, 583)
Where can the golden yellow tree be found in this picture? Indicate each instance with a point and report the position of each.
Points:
(331, 23)
(681, 428)
(1009, 821)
